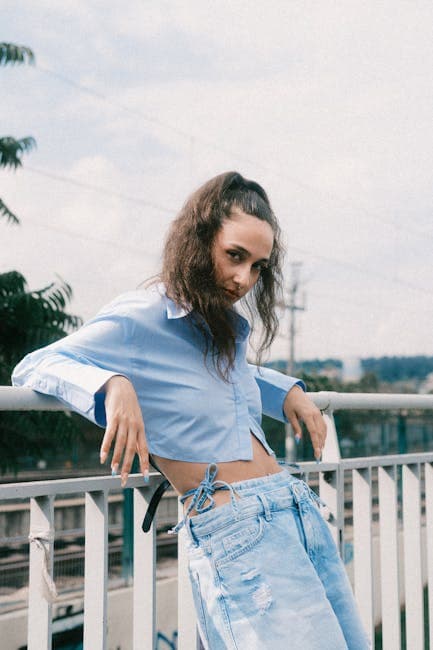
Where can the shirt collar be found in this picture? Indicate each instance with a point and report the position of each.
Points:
(174, 310)
(177, 311)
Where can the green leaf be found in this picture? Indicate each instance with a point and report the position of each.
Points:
(11, 150)
(31, 319)
(10, 216)
(15, 54)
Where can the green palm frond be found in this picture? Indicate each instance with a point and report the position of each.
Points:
(11, 54)
(32, 319)
(11, 150)
(10, 216)
(29, 320)
(12, 283)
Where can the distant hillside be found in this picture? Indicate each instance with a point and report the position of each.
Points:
(398, 368)
(385, 368)
(315, 365)
(310, 366)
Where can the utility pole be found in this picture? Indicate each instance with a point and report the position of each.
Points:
(291, 297)
(295, 268)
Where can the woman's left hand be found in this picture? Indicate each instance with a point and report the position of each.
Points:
(299, 407)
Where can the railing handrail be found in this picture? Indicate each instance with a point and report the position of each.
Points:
(332, 401)
(13, 398)
(54, 487)
(414, 481)
(364, 462)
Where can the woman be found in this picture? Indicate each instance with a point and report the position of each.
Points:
(264, 569)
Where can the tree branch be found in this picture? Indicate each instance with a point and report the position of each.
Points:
(15, 54)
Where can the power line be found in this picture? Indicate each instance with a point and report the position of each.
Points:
(102, 96)
(336, 303)
(362, 269)
(144, 116)
(137, 200)
(99, 189)
(193, 138)
(373, 216)
(107, 242)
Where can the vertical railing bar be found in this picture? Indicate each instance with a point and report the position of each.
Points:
(96, 571)
(341, 509)
(188, 637)
(144, 594)
(330, 491)
(414, 602)
(388, 528)
(41, 556)
(362, 545)
(412, 553)
(428, 474)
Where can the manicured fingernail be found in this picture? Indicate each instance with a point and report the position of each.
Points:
(317, 460)
(103, 457)
(146, 476)
(114, 469)
(297, 439)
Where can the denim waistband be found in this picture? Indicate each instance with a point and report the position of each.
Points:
(257, 495)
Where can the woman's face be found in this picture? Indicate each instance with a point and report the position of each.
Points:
(241, 249)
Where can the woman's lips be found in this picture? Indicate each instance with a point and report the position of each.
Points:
(232, 294)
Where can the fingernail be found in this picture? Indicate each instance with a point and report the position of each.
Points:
(114, 469)
(103, 457)
(297, 439)
(318, 460)
(146, 476)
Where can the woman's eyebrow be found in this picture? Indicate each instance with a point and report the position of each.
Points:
(241, 249)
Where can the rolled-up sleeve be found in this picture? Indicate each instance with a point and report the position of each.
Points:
(274, 387)
(75, 368)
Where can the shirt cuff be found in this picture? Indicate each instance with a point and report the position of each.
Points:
(274, 387)
(77, 385)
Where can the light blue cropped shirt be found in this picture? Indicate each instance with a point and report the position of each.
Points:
(189, 412)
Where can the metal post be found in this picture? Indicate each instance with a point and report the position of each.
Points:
(128, 529)
(402, 432)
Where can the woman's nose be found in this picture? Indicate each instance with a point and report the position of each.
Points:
(242, 277)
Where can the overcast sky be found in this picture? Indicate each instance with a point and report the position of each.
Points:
(329, 105)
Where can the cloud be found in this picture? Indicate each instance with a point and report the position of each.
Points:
(327, 104)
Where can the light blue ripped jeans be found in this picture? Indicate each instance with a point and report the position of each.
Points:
(265, 570)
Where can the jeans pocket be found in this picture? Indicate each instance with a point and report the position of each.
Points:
(239, 538)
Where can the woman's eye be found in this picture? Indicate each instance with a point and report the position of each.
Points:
(234, 255)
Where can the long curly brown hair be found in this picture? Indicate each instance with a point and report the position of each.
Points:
(189, 273)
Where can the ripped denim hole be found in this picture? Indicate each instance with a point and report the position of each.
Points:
(262, 597)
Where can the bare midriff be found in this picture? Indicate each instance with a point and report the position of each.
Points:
(184, 475)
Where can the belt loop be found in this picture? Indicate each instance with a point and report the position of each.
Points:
(265, 503)
(298, 491)
(233, 495)
(190, 533)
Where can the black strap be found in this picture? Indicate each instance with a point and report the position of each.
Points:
(153, 504)
(156, 498)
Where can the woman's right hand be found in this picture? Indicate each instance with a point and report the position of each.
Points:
(125, 425)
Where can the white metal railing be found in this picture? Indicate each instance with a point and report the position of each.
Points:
(392, 480)
(41, 495)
